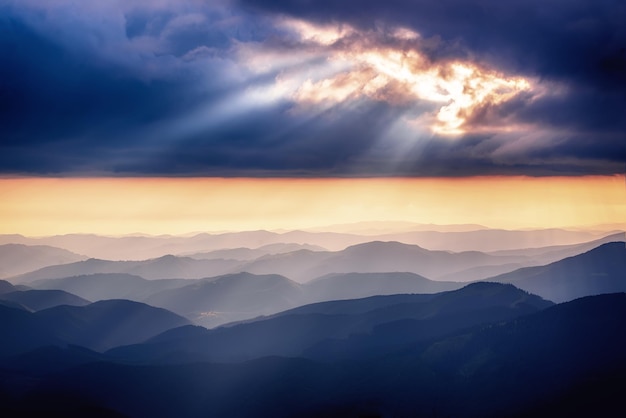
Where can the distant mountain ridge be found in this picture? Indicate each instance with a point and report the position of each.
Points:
(97, 326)
(241, 296)
(237, 290)
(100, 286)
(36, 300)
(382, 227)
(375, 257)
(298, 331)
(17, 259)
(6, 287)
(546, 255)
(145, 247)
(230, 298)
(360, 285)
(234, 297)
(301, 265)
(244, 253)
(166, 267)
(600, 270)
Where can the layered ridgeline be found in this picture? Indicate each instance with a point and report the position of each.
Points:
(601, 270)
(434, 237)
(485, 350)
(300, 266)
(299, 262)
(101, 286)
(217, 300)
(16, 259)
(36, 300)
(22, 297)
(234, 297)
(96, 326)
(310, 331)
(166, 267)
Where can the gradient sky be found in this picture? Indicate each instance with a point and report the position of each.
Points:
(47, 206)
(520, 105)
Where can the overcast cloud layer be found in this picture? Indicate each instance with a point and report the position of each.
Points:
(312, 88)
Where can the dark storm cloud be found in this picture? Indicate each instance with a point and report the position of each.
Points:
(557, 37)
(581, 43)
(62, 92)
(73, 94)
(167, 88)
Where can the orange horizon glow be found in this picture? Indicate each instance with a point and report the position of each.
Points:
(118, 206)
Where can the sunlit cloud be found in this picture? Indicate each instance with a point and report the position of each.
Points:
(383, 66)
(319, 34)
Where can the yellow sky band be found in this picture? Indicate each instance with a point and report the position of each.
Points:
(47, 206)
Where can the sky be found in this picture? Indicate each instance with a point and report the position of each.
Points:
(118, 206)
(302, 89)
(293, 88)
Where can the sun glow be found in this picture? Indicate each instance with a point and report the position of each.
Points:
(398, 74)
(319, 34)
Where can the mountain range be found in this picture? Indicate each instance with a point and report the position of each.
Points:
(36, 300)
(234, 297)
(600, 270)
(101, 286)
(221, 299)
(381, 356)
(230, 298)
(97, 326)
(301, 265)
(362, 334)
(166, 267)
(375, 257)
(16, 259)
(141, 247)
(300, 262)
(293, 332)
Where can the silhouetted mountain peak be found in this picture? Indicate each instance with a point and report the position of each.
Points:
(168, 257)
(609, 249)
(383, 246)
(6, 287)
(246, 276)
(290, 255)
(482, 287)
(497, 294)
